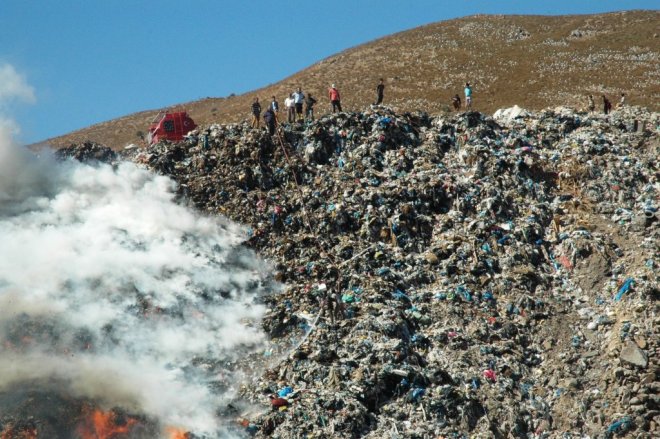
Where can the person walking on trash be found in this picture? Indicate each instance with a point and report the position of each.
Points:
(331, 304)
(590, 103)
(270, 119)
(335, 100)
(256, 112)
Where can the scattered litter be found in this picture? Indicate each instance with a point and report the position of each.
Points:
(463, 260)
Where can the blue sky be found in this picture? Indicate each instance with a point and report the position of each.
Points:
(75, 63)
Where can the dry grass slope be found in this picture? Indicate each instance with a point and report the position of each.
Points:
(531, 61)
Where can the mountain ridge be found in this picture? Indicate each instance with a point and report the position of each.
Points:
(533, 61)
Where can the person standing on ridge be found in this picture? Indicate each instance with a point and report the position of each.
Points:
(298, 100)
(205, 138)
(256, 112)
(468, 96)
(380, 89)
(309, 107)
(275, 106)
(590, 103)
(335, 100)
(290, 108)
(607, 105)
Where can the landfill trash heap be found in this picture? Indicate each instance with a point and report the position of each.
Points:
(459, 276)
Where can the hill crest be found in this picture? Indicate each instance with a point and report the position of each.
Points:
(532, 61)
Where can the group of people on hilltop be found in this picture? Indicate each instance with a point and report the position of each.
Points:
(296, 102)
(294, 105)
(607, 105)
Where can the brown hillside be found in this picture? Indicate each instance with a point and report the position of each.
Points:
(531, 61)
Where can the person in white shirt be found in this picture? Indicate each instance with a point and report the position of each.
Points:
(290, 108)
(622, 102)
(299, 100)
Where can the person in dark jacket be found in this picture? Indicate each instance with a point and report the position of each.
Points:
(270, 119)
(607, 105)
(309, 107)
(380, 89)
(256, 112)
(456, 102)
(275, 106)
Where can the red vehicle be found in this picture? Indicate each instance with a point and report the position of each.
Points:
(170, 126)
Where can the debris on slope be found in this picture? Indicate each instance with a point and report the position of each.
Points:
(87, 152)
(454, 276)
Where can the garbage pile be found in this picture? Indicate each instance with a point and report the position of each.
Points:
(87, 152)
(451, 276)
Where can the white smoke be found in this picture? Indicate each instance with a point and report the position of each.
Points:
(14, 86)
(14, 189)
(108, 285)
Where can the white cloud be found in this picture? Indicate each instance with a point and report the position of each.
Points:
(14, 86)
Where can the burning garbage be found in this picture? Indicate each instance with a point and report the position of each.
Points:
(105, 425)
(122, 312)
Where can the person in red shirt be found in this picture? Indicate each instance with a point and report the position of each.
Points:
(335, 100)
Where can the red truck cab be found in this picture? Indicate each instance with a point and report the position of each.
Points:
(170, 126)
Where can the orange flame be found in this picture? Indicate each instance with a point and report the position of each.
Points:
(102, 425)
(177, 433)
(12, 433)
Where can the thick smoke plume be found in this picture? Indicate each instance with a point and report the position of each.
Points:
(113, 292)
